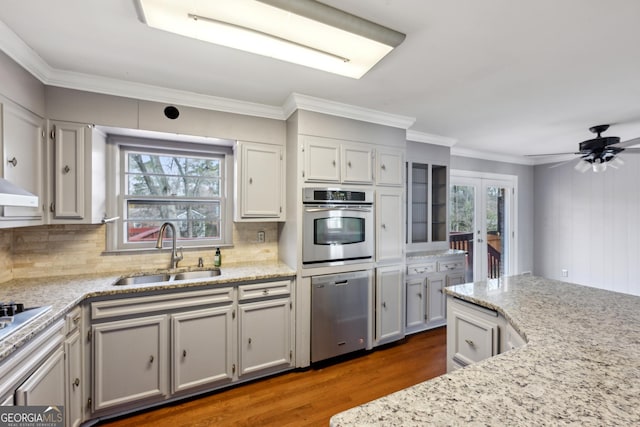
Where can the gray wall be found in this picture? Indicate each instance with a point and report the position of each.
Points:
(525, 231)
(589, 224)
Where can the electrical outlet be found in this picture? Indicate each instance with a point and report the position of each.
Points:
(260, 236)
(565, 272)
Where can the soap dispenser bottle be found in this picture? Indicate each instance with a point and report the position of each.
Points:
(217, 258)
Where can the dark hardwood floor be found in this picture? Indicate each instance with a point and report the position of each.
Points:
(308, 397)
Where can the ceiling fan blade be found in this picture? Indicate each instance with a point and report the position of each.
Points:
(562, 163)
(550, 154)
(631, 150)
(629, 143)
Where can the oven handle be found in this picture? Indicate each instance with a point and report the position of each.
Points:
(337, 209)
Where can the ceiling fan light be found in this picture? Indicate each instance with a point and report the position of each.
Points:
(599, 166)
(582, 166)
(616, 162)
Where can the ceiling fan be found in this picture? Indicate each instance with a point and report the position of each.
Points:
(599, 152)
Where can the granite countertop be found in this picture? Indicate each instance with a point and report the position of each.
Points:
(63, 293)
(432, 255)
(580, 366)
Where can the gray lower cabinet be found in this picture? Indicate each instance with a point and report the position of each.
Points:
(130, 361)
(162, 346)
(264, 336)
(425, 299)
(201, 347)
(46, 385)
(389, 304)
(74, 383)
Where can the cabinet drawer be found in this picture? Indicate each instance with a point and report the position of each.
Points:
(72, 320)
(475, 338)
(416, 269)
(450, 265)
(151, 303)
(262, 290)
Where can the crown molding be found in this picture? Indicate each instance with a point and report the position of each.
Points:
(429, 138)
(116, 87)
(487, 155)
(297, 101)
(22, 54)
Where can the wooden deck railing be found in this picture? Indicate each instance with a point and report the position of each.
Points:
(464, 242)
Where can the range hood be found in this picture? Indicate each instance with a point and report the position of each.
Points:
(12, 195)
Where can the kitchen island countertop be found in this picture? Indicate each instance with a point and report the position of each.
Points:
(63, 293)
(581, 365)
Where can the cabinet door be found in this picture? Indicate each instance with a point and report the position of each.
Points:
(130, 361)
(389, 318)
(416, 303)
(202, 347)
(23, 156)
(264, 335)
(69, 170)
(46, 385)
(261, 180)
(357, 163)
(321, 160)
(389, 168)
(389, 225)
(436, 298)
(74, 384)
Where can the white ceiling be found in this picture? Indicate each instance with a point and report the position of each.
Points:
(503, 76)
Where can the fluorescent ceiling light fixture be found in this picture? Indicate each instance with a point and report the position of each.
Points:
(303, 32)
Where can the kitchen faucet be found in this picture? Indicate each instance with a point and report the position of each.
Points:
(174, 253)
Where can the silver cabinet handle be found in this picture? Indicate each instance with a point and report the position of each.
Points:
(420, 295)
(265, 292)
(384, 304)
(250, 180)
(383, 167)
(384, 226)
(76, 382)
(66, 169)
(13, 161)
(184, 353)
(480, 240)
(471, 343)
(249, 340)
(349, 164)
(333, 162)
(151, 359)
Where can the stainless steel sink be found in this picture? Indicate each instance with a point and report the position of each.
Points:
(160, 278)
(200, 274)
(141, 280)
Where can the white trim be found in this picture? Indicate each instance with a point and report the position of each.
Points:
(430, 138)
(305, 102)
(487, 155)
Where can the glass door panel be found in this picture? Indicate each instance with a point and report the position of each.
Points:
(495, 230)
(462, 223)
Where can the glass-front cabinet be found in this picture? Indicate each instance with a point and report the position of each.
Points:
(427, 204)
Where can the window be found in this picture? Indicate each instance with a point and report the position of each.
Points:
(157, 183)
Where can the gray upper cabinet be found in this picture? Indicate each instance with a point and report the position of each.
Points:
(337, 161)
(21, 140)
(259, 182)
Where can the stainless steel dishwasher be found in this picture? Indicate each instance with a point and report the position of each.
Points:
(339, 314)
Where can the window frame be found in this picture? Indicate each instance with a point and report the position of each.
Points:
(117, 146)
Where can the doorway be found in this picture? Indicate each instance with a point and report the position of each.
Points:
(482, 222)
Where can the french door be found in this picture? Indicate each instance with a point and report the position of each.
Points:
(482, 216)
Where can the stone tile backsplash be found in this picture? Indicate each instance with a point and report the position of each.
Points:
(55, 250)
